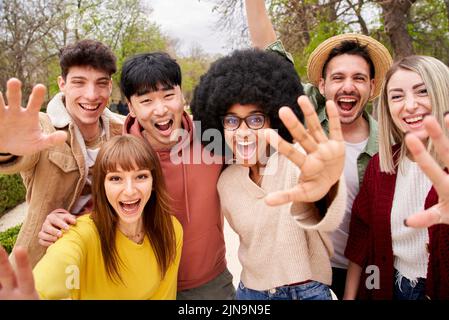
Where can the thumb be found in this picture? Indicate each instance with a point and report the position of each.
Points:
(54, 139)
(424, 219)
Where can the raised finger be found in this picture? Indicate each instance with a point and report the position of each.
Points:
(14, 93)
(297, 130)
(25, 278)
(7, 277)
(284, 147)
(37, 97)
(311, 118)
(334, 121)
(438, 137)
(425, 160)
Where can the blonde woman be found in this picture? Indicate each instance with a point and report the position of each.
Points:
(389, 260)
(128, 248)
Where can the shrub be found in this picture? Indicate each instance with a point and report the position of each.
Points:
(8, 238)
(12, 192)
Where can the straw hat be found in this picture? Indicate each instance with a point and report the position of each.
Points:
(379, 55)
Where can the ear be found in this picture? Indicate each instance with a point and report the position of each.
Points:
(61, 83)
(321, 86)
(373, 87)
(130, 108)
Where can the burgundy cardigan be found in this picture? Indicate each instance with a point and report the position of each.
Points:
(370, 241)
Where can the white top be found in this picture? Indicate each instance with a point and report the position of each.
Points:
(340, 236)
(409, 244)
(278, 245)
(84, 198)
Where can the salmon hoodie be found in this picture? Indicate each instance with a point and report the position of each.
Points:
(192, 186)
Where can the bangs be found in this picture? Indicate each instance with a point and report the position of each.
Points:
(128, 154)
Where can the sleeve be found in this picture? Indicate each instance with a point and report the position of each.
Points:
(308, 217)
(168, 285)
(359, 227)
(278, 47)
(57, 274)
(317, 99)
(10, 164)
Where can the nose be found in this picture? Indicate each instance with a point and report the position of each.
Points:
(159, 108)
(91, 92)
(243, 130)
(348, 85)
(410, 103)
(129, 186)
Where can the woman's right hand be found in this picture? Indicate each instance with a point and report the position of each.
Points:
(16, 284)
(438, 213)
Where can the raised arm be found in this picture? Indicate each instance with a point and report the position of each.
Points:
(259, 24)
(20, 131)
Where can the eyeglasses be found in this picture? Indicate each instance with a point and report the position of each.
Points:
(254, 121)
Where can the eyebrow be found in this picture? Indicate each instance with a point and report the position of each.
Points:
(84, 78)
(251, 112)
(414, 87)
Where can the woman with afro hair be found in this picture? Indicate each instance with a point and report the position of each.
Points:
(282, 203)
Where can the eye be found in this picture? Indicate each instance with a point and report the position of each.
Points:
(145, 101)
(169, 95)
(142, 176)
(230, 121)
(395, 97)
(256, 120)
(422, 92)
(114, 178)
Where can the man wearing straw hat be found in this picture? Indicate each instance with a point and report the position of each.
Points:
(348, 69)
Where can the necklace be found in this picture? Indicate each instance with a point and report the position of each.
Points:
(137, 238)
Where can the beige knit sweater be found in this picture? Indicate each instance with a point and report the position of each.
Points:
(278, 245)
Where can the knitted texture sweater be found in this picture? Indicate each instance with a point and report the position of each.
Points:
(370, 240)
(278, 245)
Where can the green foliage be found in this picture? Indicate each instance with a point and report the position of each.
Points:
(8, 238)
(12, 192)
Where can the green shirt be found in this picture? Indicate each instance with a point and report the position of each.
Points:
(319, 103)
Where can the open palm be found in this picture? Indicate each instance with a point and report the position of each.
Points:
(438, 213)
(20, 131)
(322, 163)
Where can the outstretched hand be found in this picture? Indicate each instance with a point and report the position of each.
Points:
(322, 165)
(16, 285)
(20, 131)
(438, 213)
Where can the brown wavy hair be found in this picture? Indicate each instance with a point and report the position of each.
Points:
(131, 153)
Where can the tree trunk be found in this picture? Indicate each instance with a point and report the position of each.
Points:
(395, 13)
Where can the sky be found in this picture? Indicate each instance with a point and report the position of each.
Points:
(190, 21)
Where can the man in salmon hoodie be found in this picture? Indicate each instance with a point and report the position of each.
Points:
(151, 83)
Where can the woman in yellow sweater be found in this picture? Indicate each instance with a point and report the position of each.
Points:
(128, 248)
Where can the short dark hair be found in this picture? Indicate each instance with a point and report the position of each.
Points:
(265, 79)
(90, 53)
(352, 47)
(143, 73)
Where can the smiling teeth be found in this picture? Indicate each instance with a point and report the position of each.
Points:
(88, 106)
(245, 143)
(346, 100)
(130, 202)
(414, 119)
(163, 123)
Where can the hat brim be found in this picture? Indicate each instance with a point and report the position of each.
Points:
(379, 55)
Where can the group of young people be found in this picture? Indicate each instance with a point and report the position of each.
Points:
(316, 189)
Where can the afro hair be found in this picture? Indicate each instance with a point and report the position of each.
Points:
(252, 76)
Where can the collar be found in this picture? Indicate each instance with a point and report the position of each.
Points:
(372, 146)
(60, 117)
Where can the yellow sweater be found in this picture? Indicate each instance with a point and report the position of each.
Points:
(73, 267)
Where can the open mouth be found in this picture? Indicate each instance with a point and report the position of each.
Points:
(164, 127)
(89, 107)
(129, 207)
(415, 121)
(246, 149)
(346, 104)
